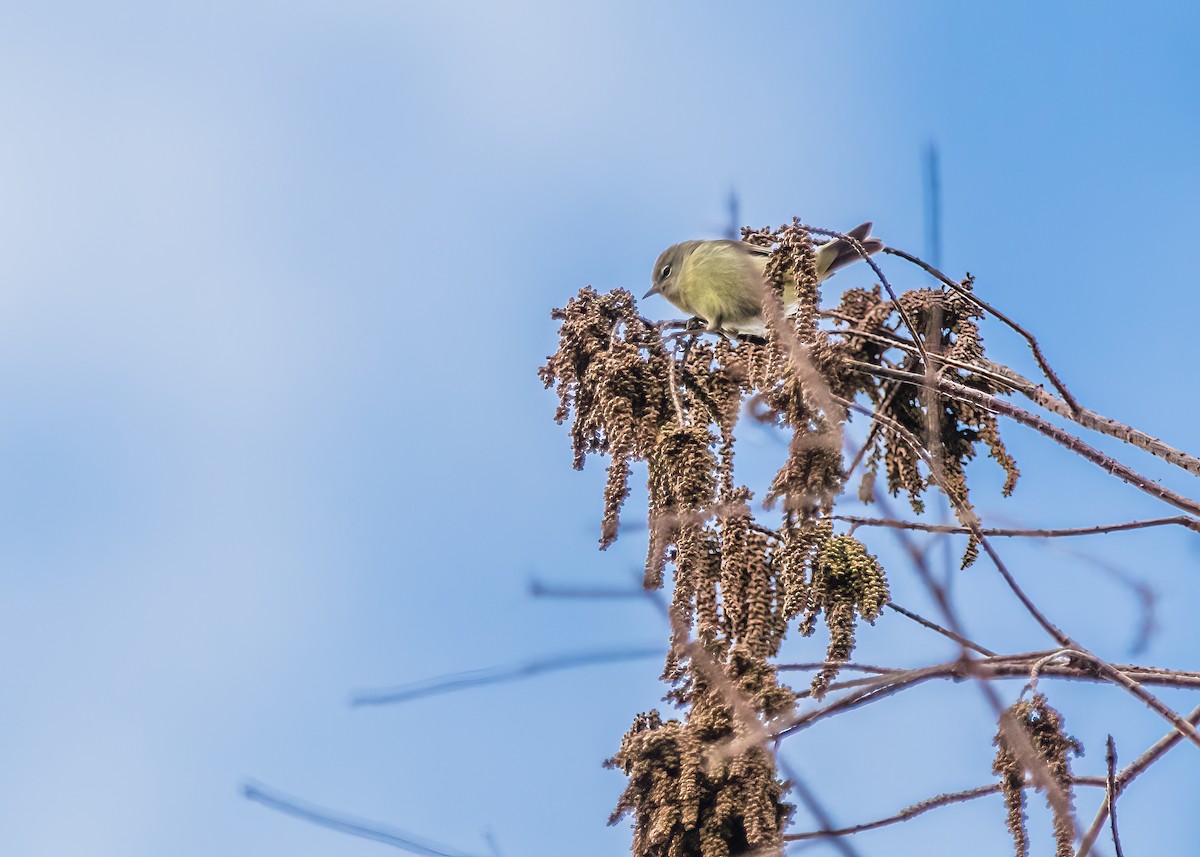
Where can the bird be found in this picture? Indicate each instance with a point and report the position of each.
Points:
(722, 281)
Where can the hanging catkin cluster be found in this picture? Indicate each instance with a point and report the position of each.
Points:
(611, 369)
(688, 802)
(796, 379)
(672, 400)
(1043, 726)
(846, 581)
(869, 331)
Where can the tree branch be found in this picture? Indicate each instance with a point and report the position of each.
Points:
(1038, 395)
(1180, 520)
(968, 518)
(348, 824)
(920, 808)
(970, 295)
(1097, 422)
(933, 626)
(1110, 791)
(1066, 439)
(1132, 772)
(495, 675)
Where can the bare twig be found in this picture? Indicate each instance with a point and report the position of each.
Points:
(1019, 740)
(1050, 430)
(1016, 666)
(538, 589)
(870, 438)
(920, 808)
(984, 305)
(1179, 520)
(809, 798)
(347, 823)
(841, 665)
(1185, 727)
(1141, 590)
(968, 518)
(1097, 422)
(1132, 772)
(1037, 394)
(857, 245)
(1156, 751)
(1129, 684)
(882, 687)
(933, 626)
(1110, 793)
(496, 675)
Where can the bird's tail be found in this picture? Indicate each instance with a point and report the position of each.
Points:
(839, 253)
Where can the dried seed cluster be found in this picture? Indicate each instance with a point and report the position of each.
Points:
(610, 369)
(846, 581)
(869, 332)
(687, 802)
(1043, 726)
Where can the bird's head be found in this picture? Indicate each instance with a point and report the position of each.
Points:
(665, 276)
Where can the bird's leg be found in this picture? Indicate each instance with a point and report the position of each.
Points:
(716, 326)
(688, 328)
(698, 325)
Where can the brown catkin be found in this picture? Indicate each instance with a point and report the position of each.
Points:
(1043, 727)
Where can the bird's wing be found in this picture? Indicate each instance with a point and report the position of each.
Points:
(752, 249)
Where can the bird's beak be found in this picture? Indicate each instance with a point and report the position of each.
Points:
(654, 290)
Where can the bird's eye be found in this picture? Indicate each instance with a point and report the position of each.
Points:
(666, 271)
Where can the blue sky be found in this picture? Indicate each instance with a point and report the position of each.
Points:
(276, 281)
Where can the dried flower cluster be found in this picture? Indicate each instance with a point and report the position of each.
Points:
(609, 368)
(1043, 726)
(689, 804)
(846, 580)
(673, 402)
(949, 429)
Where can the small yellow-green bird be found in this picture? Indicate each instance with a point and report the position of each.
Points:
(722, 281)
